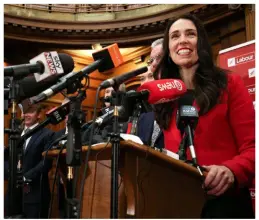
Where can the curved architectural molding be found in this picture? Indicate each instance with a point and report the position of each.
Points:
(126, 31)
(79, 13)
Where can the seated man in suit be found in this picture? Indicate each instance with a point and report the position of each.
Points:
(35, 202)
(147, 129)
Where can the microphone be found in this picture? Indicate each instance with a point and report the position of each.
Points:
(29, 86)
(186, 121)
(187, 114)
(107, 58)
(163, 90)
(115, 81)
(43, 66)
(103, 119)
(58, 114)
(108, 116)
(106, 109)
(53, 116)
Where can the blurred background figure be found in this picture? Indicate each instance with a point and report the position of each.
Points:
(155, 54)
(147, 128)
(35, 202)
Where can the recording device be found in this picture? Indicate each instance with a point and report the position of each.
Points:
(129, 99)
(54, 116)
(116, 81)
(163, 90)
(42, 66)
(106, 59)
(106, 109)
(109, 57)
(104, 119)
(29, 86)
(186, 121)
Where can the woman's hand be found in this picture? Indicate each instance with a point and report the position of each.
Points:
(218, 179)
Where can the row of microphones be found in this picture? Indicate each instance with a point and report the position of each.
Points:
(105, 59)
(52, 68)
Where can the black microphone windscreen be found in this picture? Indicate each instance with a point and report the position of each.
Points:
(187, 98)
(110, 57)
(67, 62)
(30, 87)
(106, 60)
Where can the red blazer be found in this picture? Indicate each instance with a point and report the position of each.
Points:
(225, 135)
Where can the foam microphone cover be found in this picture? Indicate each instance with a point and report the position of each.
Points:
(187, 98)
(164, 90)
(110, 57)
(30, 87)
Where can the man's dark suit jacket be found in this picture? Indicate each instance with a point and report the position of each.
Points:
(58, 134)
(33, 166)
(145, 130)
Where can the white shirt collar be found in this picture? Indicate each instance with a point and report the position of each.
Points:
(33, 126)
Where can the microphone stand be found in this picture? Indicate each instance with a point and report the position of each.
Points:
(115, 140)
(74, 152)
(15, 182)
(187, 141)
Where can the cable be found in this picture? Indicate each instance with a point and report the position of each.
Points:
(53, 185)
(95, 172)
(41, 176)
(88, 153)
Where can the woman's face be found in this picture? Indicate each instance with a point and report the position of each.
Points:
(183, 43)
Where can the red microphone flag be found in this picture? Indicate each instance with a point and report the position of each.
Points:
(163, 90)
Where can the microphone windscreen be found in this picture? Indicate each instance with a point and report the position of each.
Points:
(164, 90)
(30, 87)
(110, 56)
(67, 62)
(187, 98)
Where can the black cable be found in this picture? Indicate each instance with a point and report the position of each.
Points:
(55, 177)
(88, 153)
(41, 176)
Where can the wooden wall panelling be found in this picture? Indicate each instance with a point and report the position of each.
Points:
(250, 22)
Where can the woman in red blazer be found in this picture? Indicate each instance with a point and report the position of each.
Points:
(224, 138)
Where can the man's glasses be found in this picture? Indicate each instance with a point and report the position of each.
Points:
(152, 59)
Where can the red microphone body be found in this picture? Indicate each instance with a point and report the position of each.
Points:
(163, 90)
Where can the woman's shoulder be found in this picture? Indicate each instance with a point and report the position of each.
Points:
(234, 79)
(235, 85)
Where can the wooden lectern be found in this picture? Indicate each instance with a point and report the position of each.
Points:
(154, 185)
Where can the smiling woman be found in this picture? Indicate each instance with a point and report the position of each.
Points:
(183, 43)
(224, 138)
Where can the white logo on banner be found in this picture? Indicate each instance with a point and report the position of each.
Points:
(251, 72)
(241, 59)
(231, 62)
(251, 90)
(245, 59)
